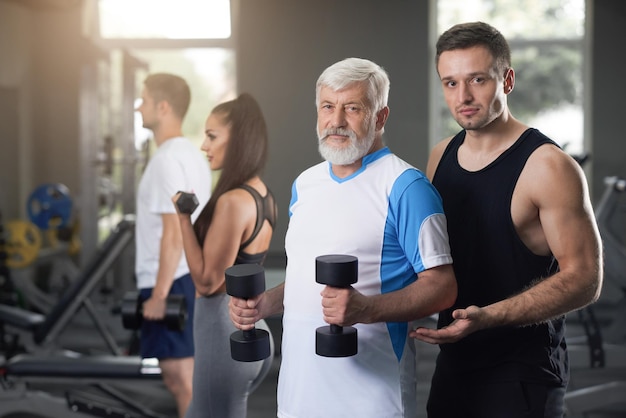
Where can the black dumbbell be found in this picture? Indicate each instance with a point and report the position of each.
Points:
(245, 281)
(187, 202)
(336, 270)
(175, 311)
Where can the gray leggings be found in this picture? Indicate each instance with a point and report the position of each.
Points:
(221, 385)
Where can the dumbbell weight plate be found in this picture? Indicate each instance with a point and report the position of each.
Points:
(22, 243)
(131, 311)
(335, 341)
(250, 345)
(50, 206)
(176, 312)
(187, 202)
(246, 281)
(338, 270)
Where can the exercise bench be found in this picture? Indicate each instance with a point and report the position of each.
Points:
(45, 329)
(86, 381)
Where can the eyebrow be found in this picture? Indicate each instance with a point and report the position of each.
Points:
(470, 75)
(351, 102)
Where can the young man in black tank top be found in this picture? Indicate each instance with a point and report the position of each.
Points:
(524, 241)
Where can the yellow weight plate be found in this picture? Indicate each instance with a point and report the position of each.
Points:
(22, 243)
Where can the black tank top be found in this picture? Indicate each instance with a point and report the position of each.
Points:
(491, 263)
(265, 210)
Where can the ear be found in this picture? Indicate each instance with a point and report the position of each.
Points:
(381, 118)
(163, 107)
(509, 80)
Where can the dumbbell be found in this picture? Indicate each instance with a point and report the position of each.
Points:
(336, 270)
(187, 202)
(245, 281)
(175, 311)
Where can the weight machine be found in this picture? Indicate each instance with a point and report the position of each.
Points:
(605, 348)
(41, 360)
(44, 330)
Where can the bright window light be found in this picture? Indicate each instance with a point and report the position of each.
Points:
(165, 19)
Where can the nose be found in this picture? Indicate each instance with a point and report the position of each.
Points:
(338, 118)
(205, 144)
(464, 93)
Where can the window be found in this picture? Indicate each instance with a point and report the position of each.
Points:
(547, 52)
(209, 73)
(169, 19)
(190, 38)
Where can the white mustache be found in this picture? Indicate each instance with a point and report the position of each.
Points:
(338, 131)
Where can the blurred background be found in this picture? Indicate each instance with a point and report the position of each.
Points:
(71, 72)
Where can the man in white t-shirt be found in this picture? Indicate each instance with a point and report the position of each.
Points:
(160, 267)
(366, 202)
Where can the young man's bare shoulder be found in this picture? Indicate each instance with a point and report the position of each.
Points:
(435, 157)
(550, 160)
(442, 145)
(549, 170)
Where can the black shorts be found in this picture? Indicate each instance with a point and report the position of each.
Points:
(466, 396)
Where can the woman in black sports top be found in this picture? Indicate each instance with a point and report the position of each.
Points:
(235, 226)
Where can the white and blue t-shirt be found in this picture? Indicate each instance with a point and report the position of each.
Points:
(390, 217)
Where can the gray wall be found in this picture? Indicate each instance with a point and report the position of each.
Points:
(608, 60)
(39, 80)
(15, 141)
(284, 45)
(9, 156)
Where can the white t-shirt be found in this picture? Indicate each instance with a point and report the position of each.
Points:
(176, 165)
(390, 217)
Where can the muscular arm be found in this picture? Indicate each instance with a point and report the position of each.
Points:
(171, 249)
(553, 191)
(558, 189)
(434, 290)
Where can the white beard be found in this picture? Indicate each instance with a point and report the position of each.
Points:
(357, 149)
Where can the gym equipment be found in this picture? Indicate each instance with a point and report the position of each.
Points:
(43, 276)
(8, 295)
(41, 360)
(45, 329)
(175, 311)
(245, 281)
(97, 373)
(41, 283)
(23, 242)
(336, 270)
(87, 383)
(604, 349)
(187, 202)
(50, 206)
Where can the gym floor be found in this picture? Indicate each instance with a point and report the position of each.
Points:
(81, 336)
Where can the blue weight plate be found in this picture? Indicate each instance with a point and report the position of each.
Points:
(50, 206)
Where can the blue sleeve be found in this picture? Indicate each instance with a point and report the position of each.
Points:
(413, 201)
(294, 196)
